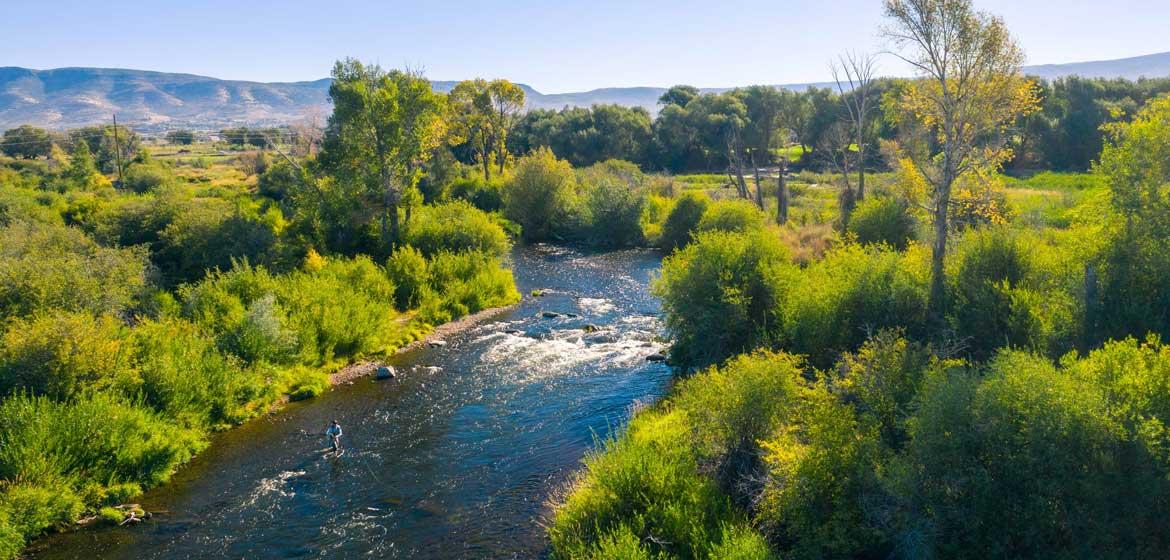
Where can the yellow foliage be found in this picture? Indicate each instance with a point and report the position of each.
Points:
(314, 262)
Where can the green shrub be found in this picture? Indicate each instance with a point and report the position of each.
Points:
(822, 481)
(407, 268)
(1030, 462)
(1131, 292)
(722, 294)
(34, 508)
(882, 380)
(736, 215)
(185, 377)
(883, 220)
(455, 227)
(146, 177)
(464, 283)
(541, 196)
(278, 180)
(65, 355)
(344, 310)
(19, 204)
(485, 195)
(11, 541)
(615, 212)
(645, 483)
(45, 267)
(206, 236)
(305, 382)
(999, 299)
(683, 220)
(111, 515)
(836, 302)
(740, 402)
(100, 437)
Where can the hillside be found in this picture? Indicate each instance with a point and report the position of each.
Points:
(71, 97)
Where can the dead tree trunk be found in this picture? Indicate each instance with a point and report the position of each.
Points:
(782, 195)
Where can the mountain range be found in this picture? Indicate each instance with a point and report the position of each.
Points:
(152, 101)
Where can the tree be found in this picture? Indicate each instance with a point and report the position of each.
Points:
(506, 100)
(678, 95)
(1136, 163)
(26, 142)
(105, 148)
(182, 137)
(484, 113)
(469, 108)
(720, 120)
(970, 89)
(764, 104)
(858, 70)
(82, 171)
(384, 127)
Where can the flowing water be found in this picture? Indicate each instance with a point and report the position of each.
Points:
(457, 463)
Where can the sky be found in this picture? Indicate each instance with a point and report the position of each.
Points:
(553, 45)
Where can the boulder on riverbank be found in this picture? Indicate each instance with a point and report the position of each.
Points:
(385, 372)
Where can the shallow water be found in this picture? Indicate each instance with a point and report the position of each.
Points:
(454, 464)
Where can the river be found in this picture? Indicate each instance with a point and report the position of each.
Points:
(457, 463)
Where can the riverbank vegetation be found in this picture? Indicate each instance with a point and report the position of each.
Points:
(158, 294)
(901, 333)
(996, 392)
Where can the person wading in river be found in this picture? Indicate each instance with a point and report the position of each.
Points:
(334, 434)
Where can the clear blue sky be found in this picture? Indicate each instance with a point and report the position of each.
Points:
(553, 45)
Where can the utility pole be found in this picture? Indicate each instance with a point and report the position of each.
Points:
(117, 150)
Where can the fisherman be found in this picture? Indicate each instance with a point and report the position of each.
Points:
(334, 435)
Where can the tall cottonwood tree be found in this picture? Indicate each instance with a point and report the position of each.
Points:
(484, 113)
(969, 91)
(470, 110)
(506, 101)
(384, 126)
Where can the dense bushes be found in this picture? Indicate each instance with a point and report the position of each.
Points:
(44, 267)
(894, 452)
(56, 457)
(879, 219)
(65, 355)
(146, 177)
(463, 283)
(485, 195)
(542, 196)
(722, 294)
(644, 492)
(736, 215)
(614, 210)
(456, 227)
(682, 221)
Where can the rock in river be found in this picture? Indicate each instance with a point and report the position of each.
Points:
(385, 372)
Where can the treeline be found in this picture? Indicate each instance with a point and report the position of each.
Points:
(1065, 134)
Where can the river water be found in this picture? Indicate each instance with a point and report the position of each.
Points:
(458, 463)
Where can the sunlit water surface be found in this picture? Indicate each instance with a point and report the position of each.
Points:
(458, 463)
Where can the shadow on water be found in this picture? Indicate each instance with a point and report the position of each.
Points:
(453, 464)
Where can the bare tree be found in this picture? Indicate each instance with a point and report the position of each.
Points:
(836, 152)
(856, 70)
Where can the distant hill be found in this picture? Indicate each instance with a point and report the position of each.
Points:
(72, 97)
(1148, 66)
